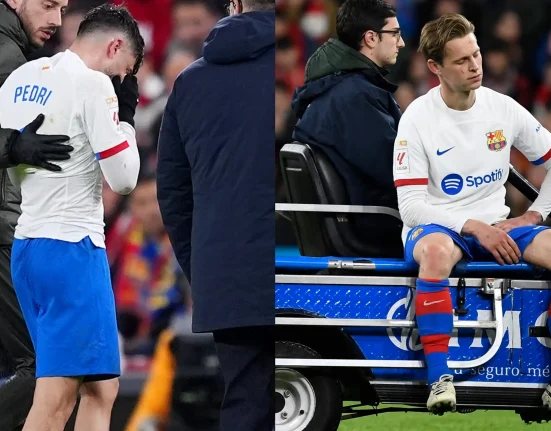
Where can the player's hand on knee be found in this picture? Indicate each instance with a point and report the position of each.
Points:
(28, 147)
(499, 243)
(128, 96)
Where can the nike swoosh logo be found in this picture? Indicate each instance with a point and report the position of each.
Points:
(426, 304)
(439, 153)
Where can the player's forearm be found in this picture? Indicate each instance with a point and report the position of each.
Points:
(542, 205)
(121, 171)
(414, 210)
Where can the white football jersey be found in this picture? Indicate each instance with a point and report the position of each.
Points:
(462, 157)
(78, 102)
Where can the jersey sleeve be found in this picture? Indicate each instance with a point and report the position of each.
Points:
(113, 142)
(410, 166)
(531, 138)
(534, 141)
(411, 178)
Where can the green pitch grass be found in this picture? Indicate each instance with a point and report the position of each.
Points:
(476, 421)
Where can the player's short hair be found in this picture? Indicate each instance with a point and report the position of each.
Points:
(437, 33)
(107, 18)
(356, 17)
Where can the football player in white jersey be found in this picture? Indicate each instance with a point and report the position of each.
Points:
(451, 162)
(59, 265)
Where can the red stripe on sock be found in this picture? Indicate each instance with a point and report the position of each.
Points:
(432, 280)
(433, 302)
(435, 343)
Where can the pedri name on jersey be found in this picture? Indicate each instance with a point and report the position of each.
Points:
(32, 94)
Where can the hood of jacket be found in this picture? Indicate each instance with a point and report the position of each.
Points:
(11, 27)
(240, 37)
(328, 66)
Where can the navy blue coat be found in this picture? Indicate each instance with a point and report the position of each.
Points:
(354, 121)
(215, 181)
(347, 109)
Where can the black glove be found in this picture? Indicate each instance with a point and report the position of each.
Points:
(127, 93)
(27, 147)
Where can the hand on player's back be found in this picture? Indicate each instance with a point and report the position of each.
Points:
(497, 242)
(28, 147)
(127, 94)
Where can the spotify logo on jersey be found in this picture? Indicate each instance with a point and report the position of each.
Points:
(452, 184)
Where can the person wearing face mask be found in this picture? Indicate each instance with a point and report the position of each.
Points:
(215, 186)
(59, 264)
(25, 25)
(347, 110)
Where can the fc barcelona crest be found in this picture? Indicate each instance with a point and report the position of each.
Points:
(496, 140)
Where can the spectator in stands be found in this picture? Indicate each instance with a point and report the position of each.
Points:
(71, 21)
(284, 117)
(405, 94)
(288, 67)
(154, 19)
(177, 59)
(508, 28)
(149, 113)
(502, 76)
(419, 76)
(192, 21)
(543, 95)
(154, 406)
(347, 109)
(146, 285)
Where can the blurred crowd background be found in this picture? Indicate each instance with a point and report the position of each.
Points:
(514, 36)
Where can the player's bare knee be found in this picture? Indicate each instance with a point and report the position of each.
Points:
(60, 400)
(437, 254)
(538, 252)
(102, 392)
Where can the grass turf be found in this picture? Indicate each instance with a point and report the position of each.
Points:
(413, 421)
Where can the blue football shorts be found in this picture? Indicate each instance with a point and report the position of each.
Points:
(472, 250)
(65, 293)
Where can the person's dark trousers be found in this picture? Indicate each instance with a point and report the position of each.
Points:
(16, 394)
(246, 358)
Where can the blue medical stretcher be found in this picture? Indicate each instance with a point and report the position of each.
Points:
(346, 333)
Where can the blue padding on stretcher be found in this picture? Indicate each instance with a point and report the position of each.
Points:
(397, 265)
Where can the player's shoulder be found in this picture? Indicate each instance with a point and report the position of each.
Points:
(94, 82)
(495, 98)
(493, 95)
(86, 80)
(32, 65)
(501, 105)
(417, 110)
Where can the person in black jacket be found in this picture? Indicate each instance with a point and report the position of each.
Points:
(347, 109)
(215, 186)
(24, 26)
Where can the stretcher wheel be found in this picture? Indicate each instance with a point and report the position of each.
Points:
(305, 399)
